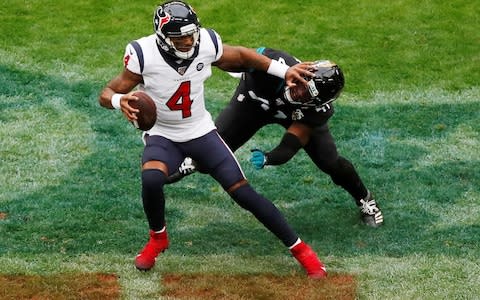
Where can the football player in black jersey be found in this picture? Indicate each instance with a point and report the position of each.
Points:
(261, 99)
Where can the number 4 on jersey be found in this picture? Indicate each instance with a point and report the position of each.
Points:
(181, 100)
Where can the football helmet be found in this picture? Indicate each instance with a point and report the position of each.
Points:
(176, 19)
(323, 88)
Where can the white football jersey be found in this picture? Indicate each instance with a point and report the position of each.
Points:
(177, 91)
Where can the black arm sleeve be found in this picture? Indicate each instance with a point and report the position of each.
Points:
(288, 147)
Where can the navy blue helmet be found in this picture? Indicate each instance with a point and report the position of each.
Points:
(176, 19)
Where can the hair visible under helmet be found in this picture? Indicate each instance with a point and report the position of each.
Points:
(176, 19)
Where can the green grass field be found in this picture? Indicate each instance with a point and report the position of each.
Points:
(408, 119)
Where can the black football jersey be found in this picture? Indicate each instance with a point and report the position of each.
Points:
(267, 91)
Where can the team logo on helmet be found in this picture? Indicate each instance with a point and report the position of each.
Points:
(176, 19)
(163, 18)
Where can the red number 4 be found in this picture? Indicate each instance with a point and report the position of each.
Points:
(181, 100)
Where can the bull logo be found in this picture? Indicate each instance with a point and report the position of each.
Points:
(162, 20)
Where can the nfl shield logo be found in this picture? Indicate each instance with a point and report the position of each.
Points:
(182, 70)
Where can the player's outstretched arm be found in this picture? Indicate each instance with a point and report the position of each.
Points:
(239, 59)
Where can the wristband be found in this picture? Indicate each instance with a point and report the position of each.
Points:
(277, 68)
(116, 100)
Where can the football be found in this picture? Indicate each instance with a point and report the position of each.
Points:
(147, 115)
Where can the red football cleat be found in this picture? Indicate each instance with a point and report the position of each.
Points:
(309, 261)
(158, 242)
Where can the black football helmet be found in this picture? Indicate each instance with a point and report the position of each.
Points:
(176, 19)
(323, 88)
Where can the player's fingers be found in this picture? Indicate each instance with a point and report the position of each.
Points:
(298, 73)
(295, 78)
(307, 69)
(129, 115)
(129, 111)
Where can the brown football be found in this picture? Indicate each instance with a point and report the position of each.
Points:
(147, 116)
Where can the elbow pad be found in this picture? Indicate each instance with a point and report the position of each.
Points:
(288, 147)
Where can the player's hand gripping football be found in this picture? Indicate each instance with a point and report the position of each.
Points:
(140, 109)
(258, 158)
(129, 112)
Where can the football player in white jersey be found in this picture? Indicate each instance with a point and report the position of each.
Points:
(171, 66)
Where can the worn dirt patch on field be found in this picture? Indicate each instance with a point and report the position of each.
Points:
(61, 286)
(217, 286)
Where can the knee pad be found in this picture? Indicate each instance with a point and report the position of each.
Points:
(153, 178)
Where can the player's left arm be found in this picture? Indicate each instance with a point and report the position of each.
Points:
(297, 136)
(239, 59)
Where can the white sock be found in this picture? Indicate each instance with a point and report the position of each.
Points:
(162, 230)
(294, 244)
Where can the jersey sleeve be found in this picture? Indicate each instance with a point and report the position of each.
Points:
(131, 60)
(217, 42)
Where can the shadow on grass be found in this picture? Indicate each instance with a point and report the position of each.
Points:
(97, 207)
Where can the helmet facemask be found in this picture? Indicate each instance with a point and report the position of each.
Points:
(323, 88)
(302, 95)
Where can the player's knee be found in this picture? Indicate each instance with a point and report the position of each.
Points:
(153, 178)
(237, 185)
(155, 164)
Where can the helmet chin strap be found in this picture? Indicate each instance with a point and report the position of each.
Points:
(181, 54)
(184, 55)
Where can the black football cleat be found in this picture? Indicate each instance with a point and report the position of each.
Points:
(370, 212)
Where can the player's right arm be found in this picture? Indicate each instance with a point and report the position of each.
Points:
(121, 86)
